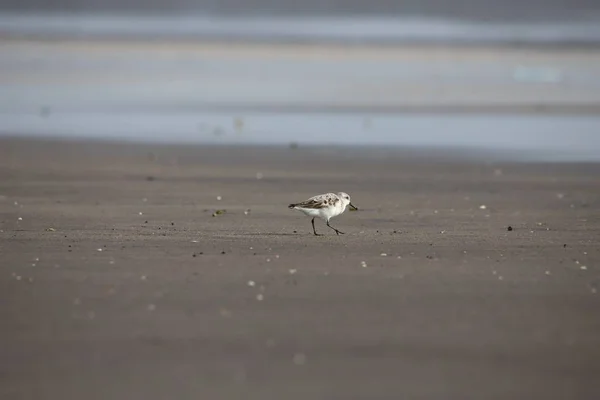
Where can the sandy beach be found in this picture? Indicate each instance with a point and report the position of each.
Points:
(119, 283)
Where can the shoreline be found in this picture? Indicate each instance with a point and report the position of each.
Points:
(316, 47)
(415, 153)
(382, 44)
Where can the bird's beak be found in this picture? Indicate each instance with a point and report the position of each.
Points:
(352, 206)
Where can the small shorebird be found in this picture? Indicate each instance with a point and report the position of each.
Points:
(324, 206)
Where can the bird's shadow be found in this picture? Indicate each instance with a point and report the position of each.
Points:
(270, 234)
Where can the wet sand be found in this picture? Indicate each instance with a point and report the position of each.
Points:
(118, 283)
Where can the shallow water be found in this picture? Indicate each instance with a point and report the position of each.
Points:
(558, 138)
(384, 27)
(310, 95)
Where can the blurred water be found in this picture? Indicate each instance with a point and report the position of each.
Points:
(544, 102)
(330, 28)
(481, 10)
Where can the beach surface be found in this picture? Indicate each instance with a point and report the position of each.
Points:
(120, 280)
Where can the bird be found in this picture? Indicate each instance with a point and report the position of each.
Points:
(324, 206)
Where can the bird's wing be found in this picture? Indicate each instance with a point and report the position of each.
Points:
(318, 202)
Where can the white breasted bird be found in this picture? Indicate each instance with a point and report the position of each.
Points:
(324, 206)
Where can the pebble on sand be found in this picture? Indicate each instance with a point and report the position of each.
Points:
(225, 313)
(299, 359)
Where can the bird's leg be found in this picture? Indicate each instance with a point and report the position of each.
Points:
(314, 230)
(336, 231)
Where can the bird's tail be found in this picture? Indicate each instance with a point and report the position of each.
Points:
(291, 206)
